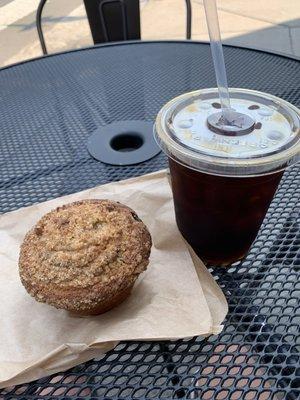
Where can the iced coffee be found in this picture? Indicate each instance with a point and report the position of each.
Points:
(223, 183)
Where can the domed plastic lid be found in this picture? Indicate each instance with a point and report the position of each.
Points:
(182, 131)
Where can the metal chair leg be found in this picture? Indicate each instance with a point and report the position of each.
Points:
(39, 25)
(188, 19)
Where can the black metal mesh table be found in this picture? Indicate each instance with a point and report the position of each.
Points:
(49, 107)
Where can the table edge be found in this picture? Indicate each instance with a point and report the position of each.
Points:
(128, 42)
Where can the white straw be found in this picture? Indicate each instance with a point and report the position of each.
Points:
(212, 21)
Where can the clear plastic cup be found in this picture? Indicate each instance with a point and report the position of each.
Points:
(224, 183)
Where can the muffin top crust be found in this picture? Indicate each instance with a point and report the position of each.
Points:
(91, 248)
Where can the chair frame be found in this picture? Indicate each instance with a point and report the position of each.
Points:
(124, 18)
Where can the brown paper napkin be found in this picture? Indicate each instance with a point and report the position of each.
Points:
(172, 299)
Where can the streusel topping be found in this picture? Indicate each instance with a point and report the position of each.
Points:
(85, 243)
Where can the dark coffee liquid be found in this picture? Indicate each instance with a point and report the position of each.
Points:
(220, 216)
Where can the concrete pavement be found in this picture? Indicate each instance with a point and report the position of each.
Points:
(272, 25)
(64, 22)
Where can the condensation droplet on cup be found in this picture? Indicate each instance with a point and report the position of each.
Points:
(265, 112)
(185, 123)
(275, 135)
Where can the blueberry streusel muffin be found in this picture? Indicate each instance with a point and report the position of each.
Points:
(85, 256)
